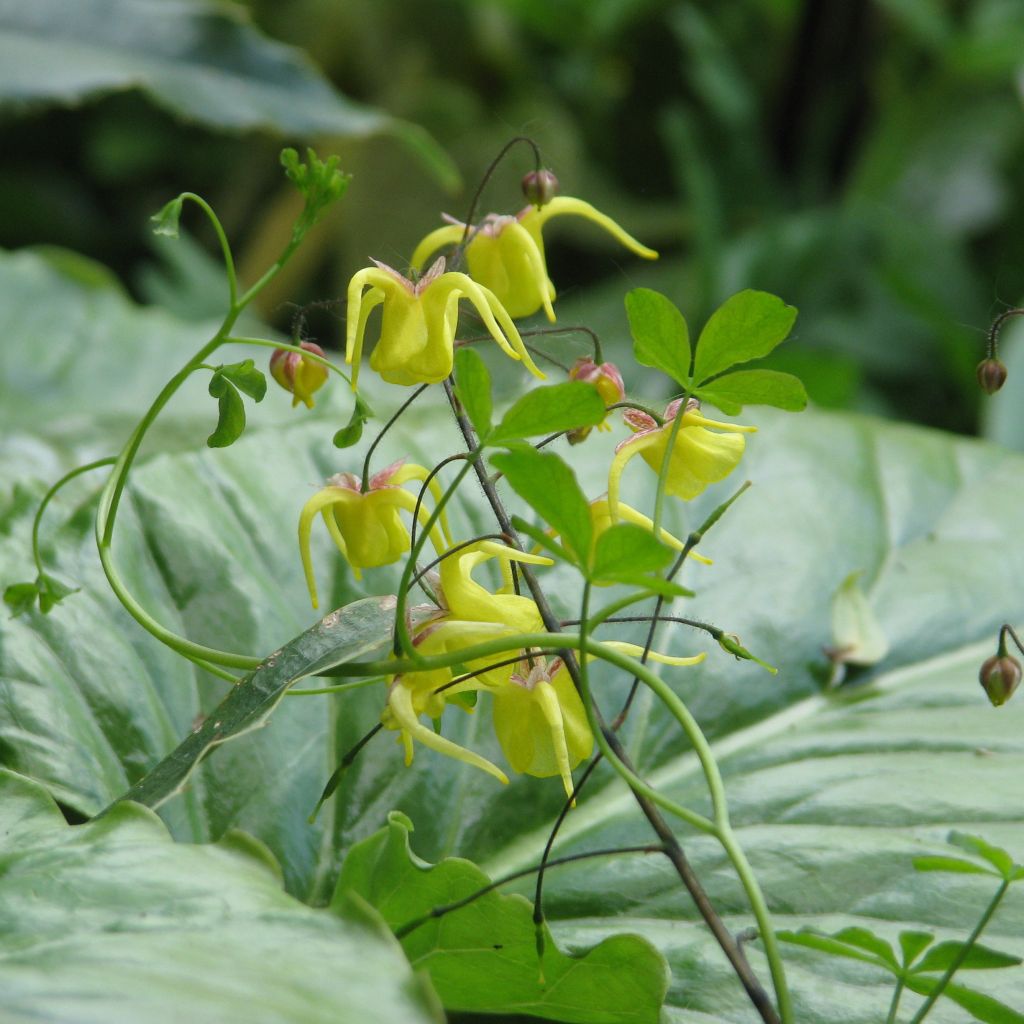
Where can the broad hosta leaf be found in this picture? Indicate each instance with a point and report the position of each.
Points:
(483, 957)
(198, 59)
(833, 797)
(113, 921)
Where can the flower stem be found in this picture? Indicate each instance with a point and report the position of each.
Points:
(894, 1005)
(48, 497)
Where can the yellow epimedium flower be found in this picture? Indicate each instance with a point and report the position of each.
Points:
(539, 717)
(469, 614)
(418, 322)
(705, 451)
(541, 723)
(540, 720)
(366, 525)
(506, 252)
(602, 518)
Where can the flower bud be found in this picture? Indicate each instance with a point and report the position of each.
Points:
(606, 379)
(999, 677)
(540, 187)
(298, 375)
(991, 375)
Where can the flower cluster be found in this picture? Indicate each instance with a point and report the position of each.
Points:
(538, 714)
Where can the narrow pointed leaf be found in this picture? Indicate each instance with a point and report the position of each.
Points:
(996, 856)
(354, 633)
(473, 387)
(981, 1007)
(837, 947)
(912, 943)
(978, 958)
(954, 865)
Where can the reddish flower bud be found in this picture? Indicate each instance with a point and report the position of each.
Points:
(606, 380)
(991, 375)
(540, 187)
(999, 677)
(298, 375)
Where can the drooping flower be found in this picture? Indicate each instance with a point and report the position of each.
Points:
(602, 518)
(468, 614)
(705, 451)
(539, 718)
(506, 252)
(606, 381)
(418, 322)
(366, 525)
(297, 374)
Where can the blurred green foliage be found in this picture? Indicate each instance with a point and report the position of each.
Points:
(859, 158)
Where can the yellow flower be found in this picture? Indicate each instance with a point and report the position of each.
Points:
(366, 525)
(540, 722)
(506, 253)
(602, 518)
(539, 717)
(298, 375)
(418, 323)
(469, 614)
(699, 457)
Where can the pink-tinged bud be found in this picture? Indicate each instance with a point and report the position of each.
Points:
(297, 375)
(606, 379)
(991, 375)
(999, 677)
(540, 187)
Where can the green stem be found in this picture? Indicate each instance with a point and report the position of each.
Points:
(207, 656)
(962, 955)
(225, 248)
(304, 352)
(341, 688)
(403, 642)
(48, 497)
(659, 495)
(894, 1005)
(110, 497)
(268, 275)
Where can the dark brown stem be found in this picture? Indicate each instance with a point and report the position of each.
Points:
(992, 342)
(673, 850)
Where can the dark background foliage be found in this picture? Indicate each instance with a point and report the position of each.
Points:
(858, 158)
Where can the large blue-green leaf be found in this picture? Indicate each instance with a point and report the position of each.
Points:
(113, 921)
(200, 59)
(833, 796)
